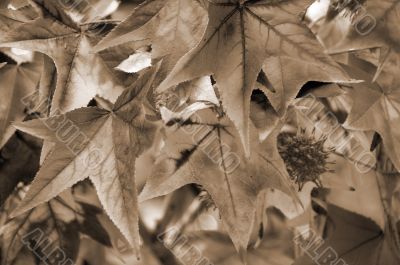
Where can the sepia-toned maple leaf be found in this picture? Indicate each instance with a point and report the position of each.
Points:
(376, 106)
(243, 37)
(100, 144)
(216, 107)
(205, 150)
(171, 27)
(359, 228)
(18, 82)
(373, 26)
(81, 73)
(355, 240)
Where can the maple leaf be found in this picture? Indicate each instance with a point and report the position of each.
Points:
(359, 226)
(204, 150)
(272, 77)
(365, 200)
(105, 149)
(81, 73)
(355, 240)
(373, 27)
(177, 23)
(18, 82)
(240, 40)
(376, 107)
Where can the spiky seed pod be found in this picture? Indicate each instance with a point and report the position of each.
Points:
(305, 157)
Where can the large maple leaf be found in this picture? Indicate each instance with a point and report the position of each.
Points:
(376, 106)
(81, 73)
(205, 150)
(240, 39)
(105, 148)
(172, 27)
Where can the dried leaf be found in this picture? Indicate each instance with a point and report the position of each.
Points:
(205, 150)
(104, 147)
(177, 23)
(81, 73)
(243, 38)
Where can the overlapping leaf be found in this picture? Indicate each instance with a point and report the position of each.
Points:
(99, 143)
(247, 45)
(355, 240)
(18, 82)
(359, 229)
(376, 107)
(29, 230)
(243, 38)
(374, 25)
(172, 27)
(81, 73)
(205, 150)
(50, 231)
